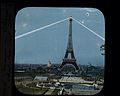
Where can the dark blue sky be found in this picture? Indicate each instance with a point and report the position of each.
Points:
(51, 43)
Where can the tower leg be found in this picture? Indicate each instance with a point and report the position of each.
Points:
(74, 64)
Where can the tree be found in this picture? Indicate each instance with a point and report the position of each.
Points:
(102, 48)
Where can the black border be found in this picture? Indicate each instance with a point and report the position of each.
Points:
(9, 9)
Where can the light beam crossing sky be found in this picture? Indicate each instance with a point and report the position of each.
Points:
(51, 43)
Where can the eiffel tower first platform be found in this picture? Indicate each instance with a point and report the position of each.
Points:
(69, 57)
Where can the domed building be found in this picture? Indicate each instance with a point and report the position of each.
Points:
(49, 64)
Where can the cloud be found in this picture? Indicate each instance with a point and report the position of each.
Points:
(64, 11)
(98, 44)
(91, 10)
(82, 21)
(27, 15)
(24, 24)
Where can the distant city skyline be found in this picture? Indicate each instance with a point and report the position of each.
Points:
(50, 44)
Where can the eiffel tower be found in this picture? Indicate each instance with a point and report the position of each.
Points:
(69, 57)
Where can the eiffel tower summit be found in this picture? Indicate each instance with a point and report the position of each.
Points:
(69, 57)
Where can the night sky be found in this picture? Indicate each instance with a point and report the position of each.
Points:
(51, 43)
